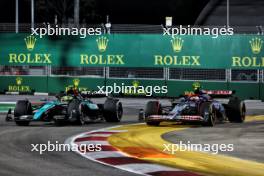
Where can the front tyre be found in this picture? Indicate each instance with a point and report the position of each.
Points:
(23, 107)
(208, 112)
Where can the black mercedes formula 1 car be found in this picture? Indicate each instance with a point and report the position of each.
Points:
(201, 108)
(68, 108)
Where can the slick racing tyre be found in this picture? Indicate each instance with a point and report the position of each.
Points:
(152, 108)
(113, 110)
(208, 112)
(23, 107)
(74, 113)
(236, 110)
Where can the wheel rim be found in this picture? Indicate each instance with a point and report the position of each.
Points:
(243, 112)
(82, 118)
(119, 111)
(82, 115)
(212, 116)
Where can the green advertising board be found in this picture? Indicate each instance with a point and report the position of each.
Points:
(135, 50)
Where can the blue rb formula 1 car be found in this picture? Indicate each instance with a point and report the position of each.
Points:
(199, 107)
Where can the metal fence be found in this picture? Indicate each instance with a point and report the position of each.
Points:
(197, 74)
(26, 27)
(24, 70)
(142, 73)
(245, 75)
(218, 75)
(136, 28)
(78, 71)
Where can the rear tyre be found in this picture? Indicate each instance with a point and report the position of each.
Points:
(112, 110)
(209, 114)
(236, 111)
(152, 108)
(23, 107)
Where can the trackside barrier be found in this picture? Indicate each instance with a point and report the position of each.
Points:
(53, 85)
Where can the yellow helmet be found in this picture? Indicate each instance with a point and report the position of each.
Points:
(196, 85)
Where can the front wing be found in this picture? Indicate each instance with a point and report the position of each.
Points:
(171, 118)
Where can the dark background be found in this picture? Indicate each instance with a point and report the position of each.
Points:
(242, 12)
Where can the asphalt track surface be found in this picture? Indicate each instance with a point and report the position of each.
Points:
(16, 158)
(247, 138)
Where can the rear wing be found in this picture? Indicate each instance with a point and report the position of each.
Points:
(92, 94)
(219, 92)
(214, 93)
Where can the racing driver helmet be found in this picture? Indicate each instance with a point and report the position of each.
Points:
(197, 88)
